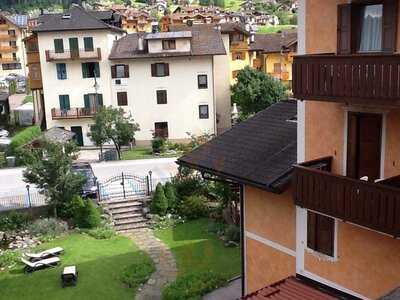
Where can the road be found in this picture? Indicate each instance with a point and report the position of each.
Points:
(11, 180)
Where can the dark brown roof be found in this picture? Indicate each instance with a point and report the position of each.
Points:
(233, 27)
(274, 42)
(79, 19)
(205, 40)
(258, 152)
(291, 288)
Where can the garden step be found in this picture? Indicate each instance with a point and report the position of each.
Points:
(125, 215)
(124, 210)
(112, 206)
(132, 226)
(129, 221)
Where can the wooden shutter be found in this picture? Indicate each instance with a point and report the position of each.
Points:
(126, 71)
(166, 69)
(154, 70)
(88, 43)
(64, 102)
(311, 230)
(352, 145)
(325, 235)
(389, 34)
(86, 100)
(113, 71)
(97, 70)
(344, 29)
(58, 46)
(85, 70)
(122, 98)
(99, 99)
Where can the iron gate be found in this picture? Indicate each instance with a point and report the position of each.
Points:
(124, 186)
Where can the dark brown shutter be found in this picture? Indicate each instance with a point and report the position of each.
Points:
(352, 145)
(311, 230)
(166, 66)
(126, 71)
(390, 12)
(325, 234)
(113, 71)
(344, 29)
(153, 70)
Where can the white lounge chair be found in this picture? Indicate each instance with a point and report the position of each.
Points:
(41, 264)
(44, 254)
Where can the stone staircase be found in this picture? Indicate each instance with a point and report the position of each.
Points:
(127, 213)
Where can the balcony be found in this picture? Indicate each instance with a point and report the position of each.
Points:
(352, 79)
(6, 37)
(8, 49)
(4, 26)
(9, 60)
(73, 113)
(372, 205)
(80, 54)
(32, 57)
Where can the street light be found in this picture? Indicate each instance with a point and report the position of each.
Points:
(29, 195)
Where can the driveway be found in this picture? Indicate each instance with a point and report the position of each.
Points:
(161, 168)
(231, 291)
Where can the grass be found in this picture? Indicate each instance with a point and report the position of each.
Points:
(142, 153)
(233, 5)
(274, 29)
(100, 264)
(196, 250)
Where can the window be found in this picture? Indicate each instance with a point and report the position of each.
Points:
(58, 46)
(14, 55)
(13, 44)
(159, 70)
(90, 70)
(64, 102)
(203, 112)
(277, 68)
(237, 37)
(120, 71)
(88, 43)
(122, 98)
(13, 66)
(238, 56)
(93, 100)
(371, 28)
(202, 81)
(61, 71)
(168, 45)
(320, 233)
(161, 129)
(11, 32)
(161, 97)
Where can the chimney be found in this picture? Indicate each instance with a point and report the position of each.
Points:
(154, 27)
(140, 43)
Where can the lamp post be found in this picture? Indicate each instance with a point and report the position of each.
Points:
(29, 195)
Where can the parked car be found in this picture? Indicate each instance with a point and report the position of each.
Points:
(89, 189)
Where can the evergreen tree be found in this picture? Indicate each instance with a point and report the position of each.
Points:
(159, 203)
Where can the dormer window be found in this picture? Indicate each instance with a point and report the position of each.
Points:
(168, 44)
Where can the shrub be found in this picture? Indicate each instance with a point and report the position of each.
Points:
(9, 258)
(137, 273)
(85, 213)
(216, 227)
(170, 193)
(192, 286)
(159, 203)
(50, 227)
(23, 138)
(188, 185)
(28, 99)
(14, 221)
(232, 233)
(101, 233)
(158, 145)
(193, 207)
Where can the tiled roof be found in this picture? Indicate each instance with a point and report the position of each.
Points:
(259, 151)
(290, 289)
(79, 19)
(273, 42)
(205, 40)
(231, 27)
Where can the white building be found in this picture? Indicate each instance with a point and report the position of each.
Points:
(166, 81)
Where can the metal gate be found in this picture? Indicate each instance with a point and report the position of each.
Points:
(124, 186)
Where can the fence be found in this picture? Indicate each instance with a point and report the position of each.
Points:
(21, 198)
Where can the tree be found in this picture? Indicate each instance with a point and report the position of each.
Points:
(159, 203)
(255, 91)
(50, 169)
(112, 125)
(170, 194)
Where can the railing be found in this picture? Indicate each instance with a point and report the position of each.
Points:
(352, 78)
(4, 26)
(20, 198)
(7, 37)
(8, 48)
(372, 205)
(73, 55)
(32, 57)
(9, 60)
(74, 113)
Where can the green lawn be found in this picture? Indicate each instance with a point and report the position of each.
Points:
(196, 250)
(142, 153)
(274, 29)
(233, 5)
(99, 262)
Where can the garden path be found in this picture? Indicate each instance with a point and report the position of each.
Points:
(164, 261)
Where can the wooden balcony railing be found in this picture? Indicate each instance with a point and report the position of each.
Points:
(32, 57)
(7, 37)
(8, 49)
(7, 60)
(362, 79)
(80, 54)
(73, 113)
(372, 205)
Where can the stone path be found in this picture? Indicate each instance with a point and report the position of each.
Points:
(232, 291)
(164, 261)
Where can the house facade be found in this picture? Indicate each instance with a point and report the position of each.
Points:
(12, 50)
